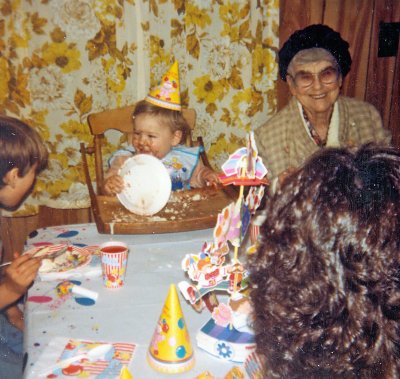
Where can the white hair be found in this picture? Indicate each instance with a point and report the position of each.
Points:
(315, 54)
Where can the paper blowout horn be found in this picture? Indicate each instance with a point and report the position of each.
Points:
(167, 94)
(170, 350)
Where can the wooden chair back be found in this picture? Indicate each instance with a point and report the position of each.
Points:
(121, 119)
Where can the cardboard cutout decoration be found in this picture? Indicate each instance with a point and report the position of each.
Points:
(244, 166)
(227, 334)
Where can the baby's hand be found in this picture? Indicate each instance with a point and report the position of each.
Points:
(21, 273)
(113, 185)
(211, 178)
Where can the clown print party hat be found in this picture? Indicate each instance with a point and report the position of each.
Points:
(167, 93)
(170, 350)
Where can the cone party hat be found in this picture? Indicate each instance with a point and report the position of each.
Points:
(125, 374)
(167, 93)
(170, 350)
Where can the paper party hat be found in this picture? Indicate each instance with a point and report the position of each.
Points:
(125, 374)
(205, 375)
(167, 93)
(170, 350)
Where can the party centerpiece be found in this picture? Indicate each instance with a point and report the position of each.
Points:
(228, 333)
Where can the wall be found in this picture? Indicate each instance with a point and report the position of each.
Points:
(63, 60)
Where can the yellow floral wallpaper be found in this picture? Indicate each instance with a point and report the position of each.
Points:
(60, 60)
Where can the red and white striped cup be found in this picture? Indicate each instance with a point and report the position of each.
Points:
(114, 257)
(255, 225)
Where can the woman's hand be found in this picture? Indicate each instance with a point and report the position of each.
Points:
(113, 185)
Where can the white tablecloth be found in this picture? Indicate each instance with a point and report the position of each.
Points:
(128, 314)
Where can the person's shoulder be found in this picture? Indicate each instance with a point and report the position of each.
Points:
(186, 149)
(356, 104)
(282, 116)
(365, 123)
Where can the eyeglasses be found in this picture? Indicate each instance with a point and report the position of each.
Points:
(306, 79)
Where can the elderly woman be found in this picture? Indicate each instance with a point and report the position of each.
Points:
(314, 62)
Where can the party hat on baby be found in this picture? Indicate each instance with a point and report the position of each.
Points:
(167, 93)
(170, 350)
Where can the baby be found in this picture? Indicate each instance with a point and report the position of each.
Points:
(160, 130)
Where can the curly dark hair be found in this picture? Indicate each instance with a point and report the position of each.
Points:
(326, 277)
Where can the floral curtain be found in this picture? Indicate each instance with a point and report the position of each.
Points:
(61, 60)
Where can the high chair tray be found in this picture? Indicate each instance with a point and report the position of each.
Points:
(186, 210)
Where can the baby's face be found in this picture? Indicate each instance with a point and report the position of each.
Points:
(151, 136)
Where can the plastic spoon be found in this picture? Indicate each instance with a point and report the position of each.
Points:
(92, 355)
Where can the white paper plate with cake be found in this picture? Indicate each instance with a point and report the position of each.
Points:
(147, 185)
(60, 259)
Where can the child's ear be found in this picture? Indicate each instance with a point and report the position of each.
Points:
(11, 177)
(176, 139)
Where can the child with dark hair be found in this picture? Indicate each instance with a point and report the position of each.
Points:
(22, 156)
(325, 279)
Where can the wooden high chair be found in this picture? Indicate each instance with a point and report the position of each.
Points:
(182, 214)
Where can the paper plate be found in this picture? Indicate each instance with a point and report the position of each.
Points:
(72, 259)
(147, 185)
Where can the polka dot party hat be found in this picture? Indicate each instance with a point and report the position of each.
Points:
(167, 93)
(170, 350)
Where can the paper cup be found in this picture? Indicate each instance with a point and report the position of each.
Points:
(114, 256)
(255, 225)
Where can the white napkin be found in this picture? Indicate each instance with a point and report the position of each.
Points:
(49, 356)
(52, 353)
